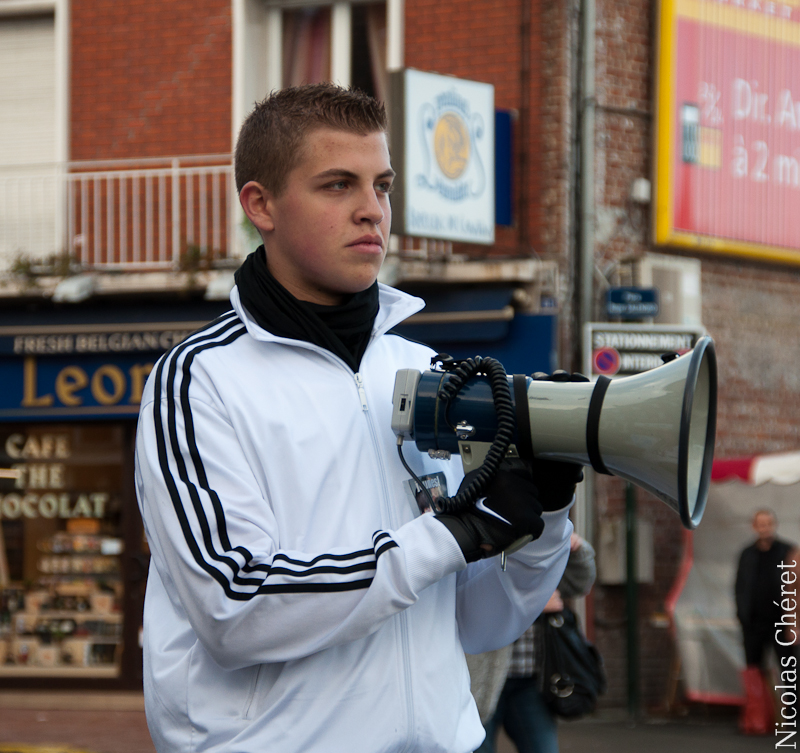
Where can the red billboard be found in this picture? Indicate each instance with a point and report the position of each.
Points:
(728, 127)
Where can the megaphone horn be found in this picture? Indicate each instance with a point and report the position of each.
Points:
(655, 429)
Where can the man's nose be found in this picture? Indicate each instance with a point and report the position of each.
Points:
(370, 208)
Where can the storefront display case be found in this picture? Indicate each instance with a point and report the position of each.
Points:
(62, 595)
(73, 556)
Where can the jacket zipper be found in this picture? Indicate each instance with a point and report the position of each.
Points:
(251, 696)
(402, 617)
(362, 393)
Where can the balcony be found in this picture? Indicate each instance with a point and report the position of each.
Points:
(173, 223)
(146, 215)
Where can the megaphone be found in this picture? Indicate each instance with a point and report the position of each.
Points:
(655, 429)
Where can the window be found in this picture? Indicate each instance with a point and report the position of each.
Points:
(280, 43)
(305, 46)
(343, 42)
(368, 71)
(34, 73)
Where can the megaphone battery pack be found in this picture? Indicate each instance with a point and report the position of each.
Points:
(405, 392)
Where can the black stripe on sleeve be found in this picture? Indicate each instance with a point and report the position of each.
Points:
(161, 447)
(385, 547)
(357, 568)
(319, 558)
(180, 462)
(379, 536)
(389, 542)
(284, 588)
(204, 339)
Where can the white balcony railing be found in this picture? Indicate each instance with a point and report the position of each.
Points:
(132, 214)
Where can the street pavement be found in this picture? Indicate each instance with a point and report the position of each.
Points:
(687, 735)
(115, 723)
(73, 722)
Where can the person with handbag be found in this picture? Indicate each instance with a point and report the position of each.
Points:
(521, 708)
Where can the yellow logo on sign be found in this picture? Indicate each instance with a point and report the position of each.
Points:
(710, 147)
(451, 145)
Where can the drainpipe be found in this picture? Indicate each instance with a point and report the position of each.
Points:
(584, 270)
(588, 102)
(587, 209)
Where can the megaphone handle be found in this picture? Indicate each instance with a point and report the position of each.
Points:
(513, 547)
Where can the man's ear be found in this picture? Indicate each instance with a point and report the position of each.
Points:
(257, 204)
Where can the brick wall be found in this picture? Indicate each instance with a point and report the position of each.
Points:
(525, 49)
(477, 40)
(473, 39)
(511, 47)
(150, 78)
(753, 312)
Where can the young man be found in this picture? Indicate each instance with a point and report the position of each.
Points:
(297, 600)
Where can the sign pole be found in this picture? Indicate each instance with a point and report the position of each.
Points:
(631, 602)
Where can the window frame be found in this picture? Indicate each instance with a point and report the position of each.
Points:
(257, 46)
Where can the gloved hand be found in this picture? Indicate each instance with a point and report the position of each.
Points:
(509, 511)
(556, 479)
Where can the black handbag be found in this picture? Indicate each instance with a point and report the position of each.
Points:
(572, 675)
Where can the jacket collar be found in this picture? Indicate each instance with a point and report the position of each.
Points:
(395, 307)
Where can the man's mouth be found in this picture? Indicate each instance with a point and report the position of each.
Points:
(369, 244)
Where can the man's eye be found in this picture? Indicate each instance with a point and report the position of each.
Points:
(385, 187)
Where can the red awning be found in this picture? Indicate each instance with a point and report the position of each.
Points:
(777, 468)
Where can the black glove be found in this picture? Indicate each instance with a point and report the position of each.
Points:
(509, 511)
(556, 479)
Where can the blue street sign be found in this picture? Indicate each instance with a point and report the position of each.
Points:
(632, 303)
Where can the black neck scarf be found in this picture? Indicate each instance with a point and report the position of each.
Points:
(344, 330)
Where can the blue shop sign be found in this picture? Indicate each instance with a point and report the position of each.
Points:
(80, 371)
(632, 302)
(47, 388)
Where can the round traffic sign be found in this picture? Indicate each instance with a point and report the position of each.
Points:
(606, 361)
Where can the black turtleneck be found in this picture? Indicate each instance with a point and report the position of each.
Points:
(344, 330)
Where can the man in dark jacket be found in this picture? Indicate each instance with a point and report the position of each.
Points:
(764, 567)
(758, 589)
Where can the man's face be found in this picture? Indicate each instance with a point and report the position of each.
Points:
(330, 225)
(764, 525)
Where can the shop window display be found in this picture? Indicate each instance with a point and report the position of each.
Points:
(60, 550)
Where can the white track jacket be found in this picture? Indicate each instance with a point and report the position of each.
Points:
(297, 601)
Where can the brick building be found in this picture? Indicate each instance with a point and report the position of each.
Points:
(122, 118)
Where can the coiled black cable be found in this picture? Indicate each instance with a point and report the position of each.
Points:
(461, 373)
